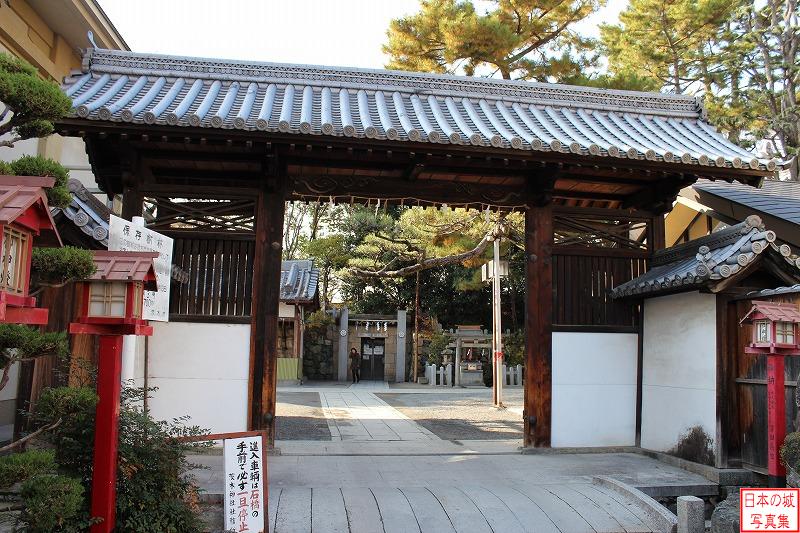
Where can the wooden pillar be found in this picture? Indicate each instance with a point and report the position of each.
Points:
(264, 310)
(132, 203)
(538, 324)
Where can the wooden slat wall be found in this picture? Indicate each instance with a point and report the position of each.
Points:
(219, 278)
(582, 285)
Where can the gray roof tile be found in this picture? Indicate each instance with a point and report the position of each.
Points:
(714, 257)
(780, 199)
(125, 86)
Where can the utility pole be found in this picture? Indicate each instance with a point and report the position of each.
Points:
(497, 329)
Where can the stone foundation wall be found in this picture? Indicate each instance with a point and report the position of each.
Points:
(318, 347)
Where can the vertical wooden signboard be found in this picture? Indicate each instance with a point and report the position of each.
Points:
(245, 475)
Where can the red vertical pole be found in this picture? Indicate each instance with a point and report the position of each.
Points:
(776, 420)
(106, 436)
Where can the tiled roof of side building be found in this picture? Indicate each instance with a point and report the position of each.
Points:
(715, 257)
(780, 199)
(86, 212)
(122, 86)
(299, 280)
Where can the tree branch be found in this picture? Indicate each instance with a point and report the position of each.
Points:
(26, 438)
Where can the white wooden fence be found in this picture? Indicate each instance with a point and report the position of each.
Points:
(442, 376)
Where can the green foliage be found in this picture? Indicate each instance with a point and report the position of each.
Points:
(55, 266)
(18, 467)
(514, 348)
(526, 39)
(790, 451)
(695, 445)
(22, 342)
(438, 344)
(6, 169)
(53, 504)
(319, 321)
(153, 493)
(34, 102)
(34, 165)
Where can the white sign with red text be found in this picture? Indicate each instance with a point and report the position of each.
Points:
(769, 510)
(244, 485)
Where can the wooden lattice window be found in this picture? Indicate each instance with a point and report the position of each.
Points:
(599, 232)
(15, 257)
(107, 298)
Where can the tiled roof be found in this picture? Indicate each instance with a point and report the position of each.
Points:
(714, 257)
(299, 281)
(124, 86)
(792, 289)
(18, 194)
(780, 199)
(777, 312)
(86, 213)
(124, 266)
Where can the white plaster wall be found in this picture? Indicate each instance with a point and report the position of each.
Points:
(679, 379)
(594, 389)
(201, 370)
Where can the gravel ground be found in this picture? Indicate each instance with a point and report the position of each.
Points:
(300, 417)
(463, 415)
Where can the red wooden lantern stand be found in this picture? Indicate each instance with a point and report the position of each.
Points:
(112, 307)
(24, 217)
(774, 335)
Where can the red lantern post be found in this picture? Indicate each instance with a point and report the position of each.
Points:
(112, 307)
(774, 335)
(24, 216)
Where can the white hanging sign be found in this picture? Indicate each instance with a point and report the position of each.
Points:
(244, 484)
(124, 236)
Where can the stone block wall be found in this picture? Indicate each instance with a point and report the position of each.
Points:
(318, 348)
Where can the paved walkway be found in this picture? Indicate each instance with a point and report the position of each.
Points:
(465, 509)
(357, 414)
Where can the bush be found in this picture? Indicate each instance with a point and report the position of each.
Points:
(27, 341)
(34, 165)
(695, 445)
(319, 321)
(153, 494)
(790, 451)
(514, 348)
(437, 345)
(18, 467)
(54, 504)
(56, 266)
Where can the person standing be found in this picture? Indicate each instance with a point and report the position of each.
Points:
(355, 364)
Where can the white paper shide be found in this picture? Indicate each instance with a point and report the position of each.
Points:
(244, 485)
(125, 236)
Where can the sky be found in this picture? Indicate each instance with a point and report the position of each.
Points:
(321, 32)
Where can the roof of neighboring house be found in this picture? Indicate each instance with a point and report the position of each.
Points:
(124, 266)
(702, 262)
(123, 86)
(780, 199)
(18, 194)
(86, 213)
(299, 281)
(764, 293)
(777, 312)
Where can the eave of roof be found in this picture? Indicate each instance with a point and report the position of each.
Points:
(708, 260)
(130, 87)
(86, 213)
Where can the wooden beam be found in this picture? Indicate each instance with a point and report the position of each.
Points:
(538, 324)
(262, 391)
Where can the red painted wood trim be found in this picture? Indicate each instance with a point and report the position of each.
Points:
(106, 438)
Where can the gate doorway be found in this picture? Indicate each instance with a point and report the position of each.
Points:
(372, 358)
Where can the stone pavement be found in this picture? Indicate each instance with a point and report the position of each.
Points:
(357, 414)
(382, 472)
